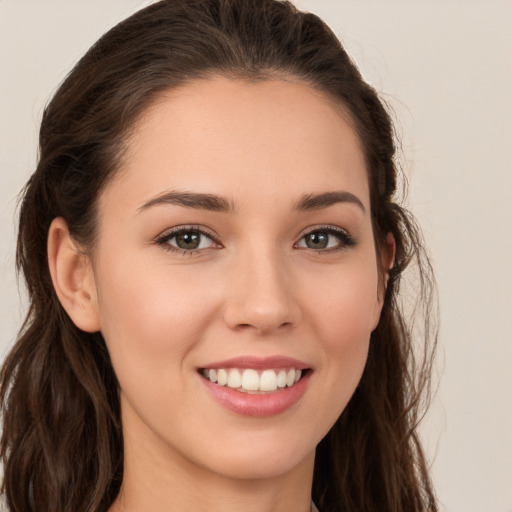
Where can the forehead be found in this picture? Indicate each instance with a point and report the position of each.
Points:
(243, 139)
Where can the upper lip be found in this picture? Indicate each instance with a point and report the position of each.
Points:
(259, 363)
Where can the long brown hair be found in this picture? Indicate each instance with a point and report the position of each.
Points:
(62, 444)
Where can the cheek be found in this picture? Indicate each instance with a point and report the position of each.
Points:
(149, 320)
(343, 321)
(344, 303)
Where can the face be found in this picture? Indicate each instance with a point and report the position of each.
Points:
(235, 255)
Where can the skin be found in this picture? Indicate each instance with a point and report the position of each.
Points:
(255, 288)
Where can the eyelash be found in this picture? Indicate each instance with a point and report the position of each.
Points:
(346, 240)
(164, 239)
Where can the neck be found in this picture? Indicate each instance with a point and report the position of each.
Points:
(160, 479)
(212, 496)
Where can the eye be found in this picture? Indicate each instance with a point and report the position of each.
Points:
(325, 239)
(186, 239)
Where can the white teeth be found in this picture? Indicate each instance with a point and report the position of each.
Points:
(234, 379)
(281, 379)
(222, 377)
(251, 380)
(268, 381)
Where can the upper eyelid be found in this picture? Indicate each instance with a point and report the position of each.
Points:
(176, 230)
(323, 227)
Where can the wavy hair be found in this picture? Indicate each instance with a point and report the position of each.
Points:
(62, 445)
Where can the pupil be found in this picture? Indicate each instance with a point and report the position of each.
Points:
(188, 240)
(317, 240)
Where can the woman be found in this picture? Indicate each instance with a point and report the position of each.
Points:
(213, 253)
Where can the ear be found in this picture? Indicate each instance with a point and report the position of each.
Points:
(387, 262)
(73, 278)
(389, 256)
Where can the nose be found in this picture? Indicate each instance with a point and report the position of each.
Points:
(261, 296)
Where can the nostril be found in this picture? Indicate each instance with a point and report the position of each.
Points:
(263, 327)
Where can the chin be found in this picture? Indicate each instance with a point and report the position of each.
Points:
(262, 465)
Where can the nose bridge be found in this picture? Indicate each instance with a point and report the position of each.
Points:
(261, 293)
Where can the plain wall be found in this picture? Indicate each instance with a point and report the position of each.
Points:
(444, 67)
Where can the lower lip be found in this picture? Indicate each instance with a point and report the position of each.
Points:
(259, 405)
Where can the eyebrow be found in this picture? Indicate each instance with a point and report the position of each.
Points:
(200, 201)
(326, 199)
(215, 203)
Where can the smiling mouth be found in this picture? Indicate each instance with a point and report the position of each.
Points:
(248, 380)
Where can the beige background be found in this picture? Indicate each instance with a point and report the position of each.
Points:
(444, 65)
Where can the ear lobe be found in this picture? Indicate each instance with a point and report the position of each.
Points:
(72, 276)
